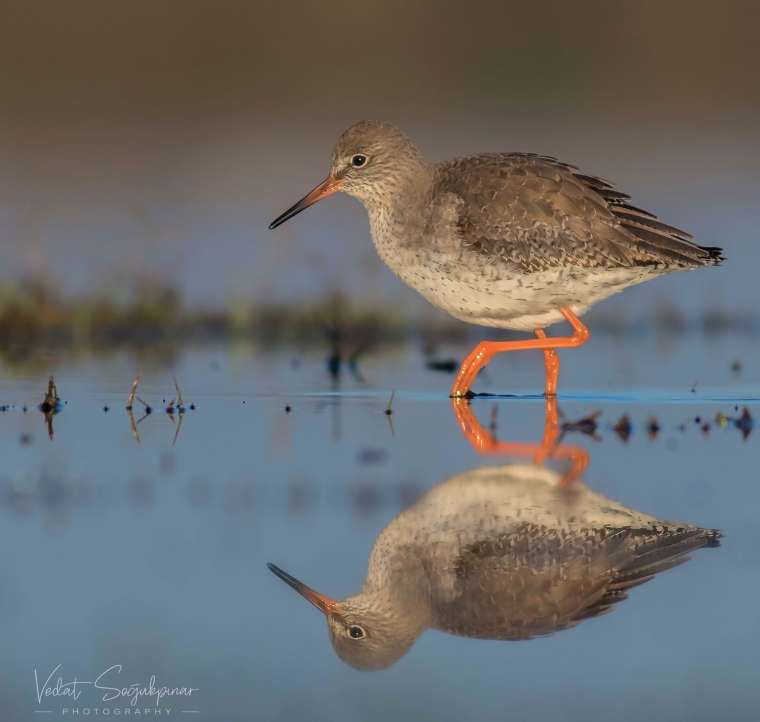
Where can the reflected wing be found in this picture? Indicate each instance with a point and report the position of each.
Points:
(536, 580)
(537, 213)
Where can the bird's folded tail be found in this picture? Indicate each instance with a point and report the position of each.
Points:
(657, 242)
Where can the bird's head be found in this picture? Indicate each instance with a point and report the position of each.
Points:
(371, 161)
(366, 633)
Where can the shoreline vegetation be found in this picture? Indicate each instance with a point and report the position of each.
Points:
(150, 316)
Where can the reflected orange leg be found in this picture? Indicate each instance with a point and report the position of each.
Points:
(485, 442)
(482, 354)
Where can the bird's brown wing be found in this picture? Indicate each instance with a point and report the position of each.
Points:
(535, 581)
(536, 212)
(654, 550)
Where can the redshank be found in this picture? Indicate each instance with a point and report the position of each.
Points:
(508, 240)
(498, 553)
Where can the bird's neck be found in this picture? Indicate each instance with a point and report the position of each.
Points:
(398, 218)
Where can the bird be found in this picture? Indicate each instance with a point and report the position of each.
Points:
(516, 241)
(498, 552)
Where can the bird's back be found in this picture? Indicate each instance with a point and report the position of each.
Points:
(535, 580)
(538, 213)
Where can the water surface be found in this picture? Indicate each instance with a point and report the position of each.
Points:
(152, 554)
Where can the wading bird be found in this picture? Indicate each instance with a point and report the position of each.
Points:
(509, 240)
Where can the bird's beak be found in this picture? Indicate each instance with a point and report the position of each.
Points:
(326, 188)
(320, 601)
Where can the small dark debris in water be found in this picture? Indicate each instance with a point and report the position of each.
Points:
(3, 408)
(694, 388)
(389, 408)
(653, 428)
(492, 425)
(697, 419)
(243, 402)
(446, 366)
(177, 403)
(24, 409)
(106, 409)
(736, 366)
(623, 428)
(25, 439)
(288, 408)
(192, 407)
(745, 423)
(587, 425)
(705, 428)
(51, 404)
(370, 456)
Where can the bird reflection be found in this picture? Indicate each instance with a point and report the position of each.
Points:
(509, 553)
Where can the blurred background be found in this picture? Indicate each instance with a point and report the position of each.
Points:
(160, 138)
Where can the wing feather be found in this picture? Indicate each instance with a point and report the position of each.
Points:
(536, 212)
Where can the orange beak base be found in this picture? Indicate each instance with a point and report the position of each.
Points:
(326, 188)
(320, 601)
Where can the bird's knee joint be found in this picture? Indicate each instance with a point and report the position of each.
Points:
(581, 336)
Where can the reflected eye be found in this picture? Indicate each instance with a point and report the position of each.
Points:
(357, 161)
(356, 632)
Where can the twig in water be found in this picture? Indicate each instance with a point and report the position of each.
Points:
(51, 402)
(133, 424)
(133, 393)
(389, 408)
(177, 403)
(180, 402)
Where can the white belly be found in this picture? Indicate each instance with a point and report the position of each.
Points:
(486, 296)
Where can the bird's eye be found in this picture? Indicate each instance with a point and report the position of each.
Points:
(356, 632)
(358, 160)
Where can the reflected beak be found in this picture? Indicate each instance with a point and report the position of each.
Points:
(326, 188)
(320, 601)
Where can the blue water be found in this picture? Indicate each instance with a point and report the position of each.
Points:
(151, 554)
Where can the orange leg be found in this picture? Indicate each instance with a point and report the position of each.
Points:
(482, 354)
(551, 361)
(484, 441)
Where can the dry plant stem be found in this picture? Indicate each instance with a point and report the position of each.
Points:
(51, 395)
(179, 400)
(133, 393)
(133, 424)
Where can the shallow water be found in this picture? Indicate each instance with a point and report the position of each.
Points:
(151, 553)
